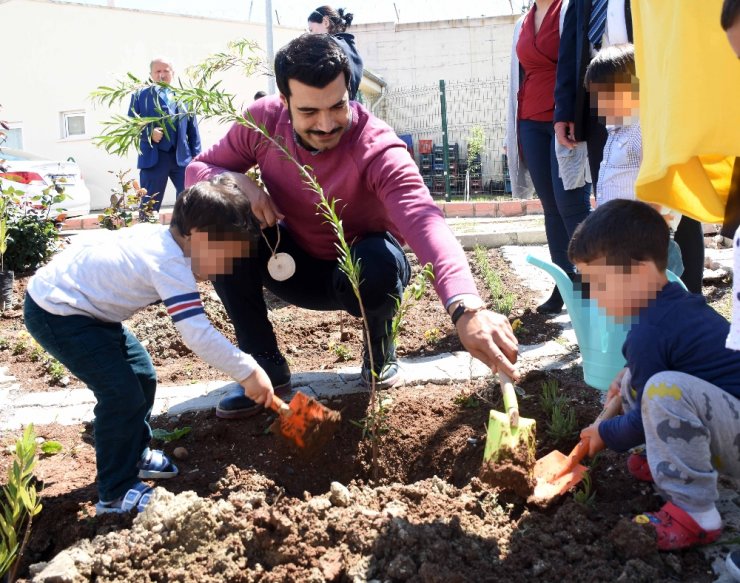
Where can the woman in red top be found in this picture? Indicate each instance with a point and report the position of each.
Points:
(537, 51)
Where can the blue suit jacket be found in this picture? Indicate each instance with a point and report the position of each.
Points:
(144, 103)
(572, 101)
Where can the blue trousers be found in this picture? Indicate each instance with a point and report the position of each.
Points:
(564, 209)
(118, 370)
(154, 179)
(316, 285)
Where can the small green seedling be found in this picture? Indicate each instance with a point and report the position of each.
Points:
(432, 336)
(339, 350)
(51, 447)
(502, 300)
(56, 370)
(168, 436)
(549, 398)
(467, 400)
(562, 425)
(585, 494)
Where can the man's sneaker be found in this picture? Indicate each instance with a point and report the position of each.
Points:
(235, 405)
(387, 372)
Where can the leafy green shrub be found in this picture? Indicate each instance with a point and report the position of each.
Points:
(125, 204)
(19, 504)
(32, 235)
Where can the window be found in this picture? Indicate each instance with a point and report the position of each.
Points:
(73, 124)
(13, 138)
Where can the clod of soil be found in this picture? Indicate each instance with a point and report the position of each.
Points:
(512, 470)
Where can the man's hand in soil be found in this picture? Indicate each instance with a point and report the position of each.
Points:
(488, 337)
(595, 443)
(263, 207)
(258, 387)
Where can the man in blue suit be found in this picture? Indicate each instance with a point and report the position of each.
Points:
(164, 151)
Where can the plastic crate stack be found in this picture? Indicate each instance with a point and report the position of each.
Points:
(432, 168)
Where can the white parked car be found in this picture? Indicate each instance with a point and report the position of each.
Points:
(31, 174)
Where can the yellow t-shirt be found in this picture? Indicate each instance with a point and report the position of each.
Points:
(689, 106)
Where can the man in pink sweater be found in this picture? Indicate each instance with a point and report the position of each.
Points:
(381, 198)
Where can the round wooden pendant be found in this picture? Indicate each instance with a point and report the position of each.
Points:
(281, 266)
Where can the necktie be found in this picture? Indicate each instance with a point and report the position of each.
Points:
(597, 22)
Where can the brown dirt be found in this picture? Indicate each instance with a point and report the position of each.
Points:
(260, 512)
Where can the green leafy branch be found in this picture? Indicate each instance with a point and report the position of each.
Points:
(21, 503)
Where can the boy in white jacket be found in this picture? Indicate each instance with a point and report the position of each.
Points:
(75, 305)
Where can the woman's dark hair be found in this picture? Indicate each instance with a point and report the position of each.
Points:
(622, 232)
(730, 13)
(339, 20)
(218, 207)
(611, 65)
(313, 59)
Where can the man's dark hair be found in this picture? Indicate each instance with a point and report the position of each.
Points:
(218, 207)
(611, 65)
(339, 20)
(730, 13)
(259, 95)
(313, 59)
(622, 232)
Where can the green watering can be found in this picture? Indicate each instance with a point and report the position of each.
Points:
(600, 337)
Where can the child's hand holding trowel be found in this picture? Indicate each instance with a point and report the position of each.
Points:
(590, 434)
(258, 387)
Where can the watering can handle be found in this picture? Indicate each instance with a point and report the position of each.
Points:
(511, 405)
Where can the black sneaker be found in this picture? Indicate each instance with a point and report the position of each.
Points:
(235, 405)
(387, 372)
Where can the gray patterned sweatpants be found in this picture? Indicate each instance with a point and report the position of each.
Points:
(692, 434)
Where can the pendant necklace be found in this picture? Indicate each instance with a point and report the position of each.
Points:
(280, 266)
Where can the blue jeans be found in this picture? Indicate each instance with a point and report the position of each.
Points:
(118, 370)
(317, 284)
(564, 209)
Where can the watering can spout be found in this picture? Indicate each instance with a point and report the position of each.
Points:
(571, 296)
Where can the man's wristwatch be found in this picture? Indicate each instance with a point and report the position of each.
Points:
(471, 305)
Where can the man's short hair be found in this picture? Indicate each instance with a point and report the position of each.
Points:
(730, 13)
(313, 59)
(259, 95)
(218, 207)
(611, 65)
(623, 232)
(165, 60)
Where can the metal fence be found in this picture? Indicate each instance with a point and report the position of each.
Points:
(418, 116)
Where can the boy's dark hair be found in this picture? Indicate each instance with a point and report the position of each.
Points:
(218, 207)
(313, 59)
(730, 13)
(611, 65)
(622, 232)
(259, 95)
(339, 20)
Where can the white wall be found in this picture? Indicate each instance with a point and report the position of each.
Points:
(422, 53)
(56, 53)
